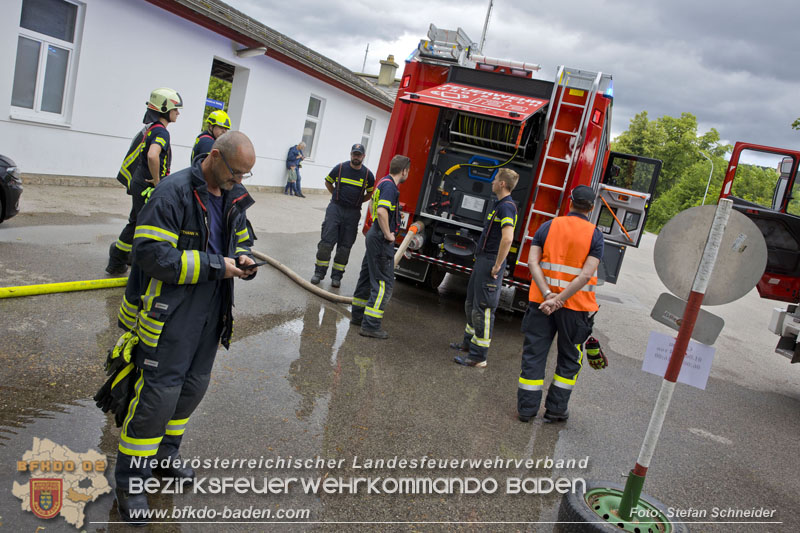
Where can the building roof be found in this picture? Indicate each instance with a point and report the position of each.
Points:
(224, 19)
(389, 90)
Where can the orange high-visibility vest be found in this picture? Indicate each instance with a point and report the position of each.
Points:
(565, 250)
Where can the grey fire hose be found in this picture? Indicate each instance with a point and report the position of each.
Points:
(415, 228)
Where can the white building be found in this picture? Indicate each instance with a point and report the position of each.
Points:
(79, 73)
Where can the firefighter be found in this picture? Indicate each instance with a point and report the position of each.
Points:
(218, 123)
(486, 280)
(374, 287)
(350, 184)
(191, 240)
(162, 109)
(564, 256)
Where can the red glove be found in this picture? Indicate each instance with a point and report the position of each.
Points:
(597, 359)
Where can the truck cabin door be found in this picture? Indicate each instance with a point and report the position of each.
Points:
(621, 206)
(762, 182)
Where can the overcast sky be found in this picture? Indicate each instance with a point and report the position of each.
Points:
(734, 64)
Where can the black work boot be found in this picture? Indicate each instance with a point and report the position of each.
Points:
(174, 470)
(117, 261)
(336, 282)
(137, 503)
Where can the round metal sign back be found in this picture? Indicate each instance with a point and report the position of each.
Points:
(740, 263)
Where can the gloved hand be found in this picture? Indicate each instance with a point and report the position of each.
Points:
(597, 359)
(146, 193)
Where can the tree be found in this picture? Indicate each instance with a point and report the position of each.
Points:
(684, 171)
(796, 124)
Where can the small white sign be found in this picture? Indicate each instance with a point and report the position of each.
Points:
(403, 219)
(696, 365)
(473, 203)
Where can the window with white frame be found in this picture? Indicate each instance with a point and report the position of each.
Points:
(46, 53)
(369, 124)
(313, 121)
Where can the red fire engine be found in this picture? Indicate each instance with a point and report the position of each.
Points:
(780, 225)
(460, 117)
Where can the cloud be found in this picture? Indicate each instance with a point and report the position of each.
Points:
(731, 63)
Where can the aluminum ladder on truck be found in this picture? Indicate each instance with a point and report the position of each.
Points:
(553, 166)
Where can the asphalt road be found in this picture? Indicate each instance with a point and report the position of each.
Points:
(299, 382)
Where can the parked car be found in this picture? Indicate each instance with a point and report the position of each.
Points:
(10, 188)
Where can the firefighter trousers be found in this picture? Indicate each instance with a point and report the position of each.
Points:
(483, 297)
(375, 281)
(120, 252)
(338, 229)
(572, 328)
(171, 384)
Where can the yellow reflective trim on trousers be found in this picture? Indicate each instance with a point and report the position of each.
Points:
(124, 372)
(359, 302)
(134, 402)
(470, 330)
(322, 263)
(123, 246)
(153, 291)
(379, 300)
(155, 233)
(176, 427)
(376, 313)
(564, 380)
(530, 384)
(338, 266)
(127, 320)
(486, 341)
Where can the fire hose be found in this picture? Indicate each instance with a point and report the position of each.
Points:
(70, 286)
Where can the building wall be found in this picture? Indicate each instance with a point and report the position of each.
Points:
(129, 47)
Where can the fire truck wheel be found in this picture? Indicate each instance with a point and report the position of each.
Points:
(434, 278)
(584, 511)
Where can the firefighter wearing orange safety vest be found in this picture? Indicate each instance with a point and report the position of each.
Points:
(564, 256)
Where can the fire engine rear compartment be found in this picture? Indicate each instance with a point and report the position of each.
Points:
(454, 205)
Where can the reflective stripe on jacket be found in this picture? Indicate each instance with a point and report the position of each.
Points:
(563, 255)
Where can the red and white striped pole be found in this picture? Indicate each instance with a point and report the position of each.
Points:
(633, 487)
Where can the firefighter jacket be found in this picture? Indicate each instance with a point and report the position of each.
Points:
(565, 250)
(170, 257)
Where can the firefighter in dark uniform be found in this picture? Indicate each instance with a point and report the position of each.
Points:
(162, 109)
(218, 123)
(350, 184)
(564, 256)
(374, 287)
(191, 239)
(486, 280)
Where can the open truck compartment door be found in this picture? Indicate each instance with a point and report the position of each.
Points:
(621, 206)
(777, 217)
(480, 128)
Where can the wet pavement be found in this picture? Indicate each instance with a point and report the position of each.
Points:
(299, 382)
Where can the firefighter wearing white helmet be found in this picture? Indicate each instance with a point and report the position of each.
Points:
(154, 158)
(218, 123)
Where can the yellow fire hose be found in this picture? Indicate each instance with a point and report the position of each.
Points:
(69, 286)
